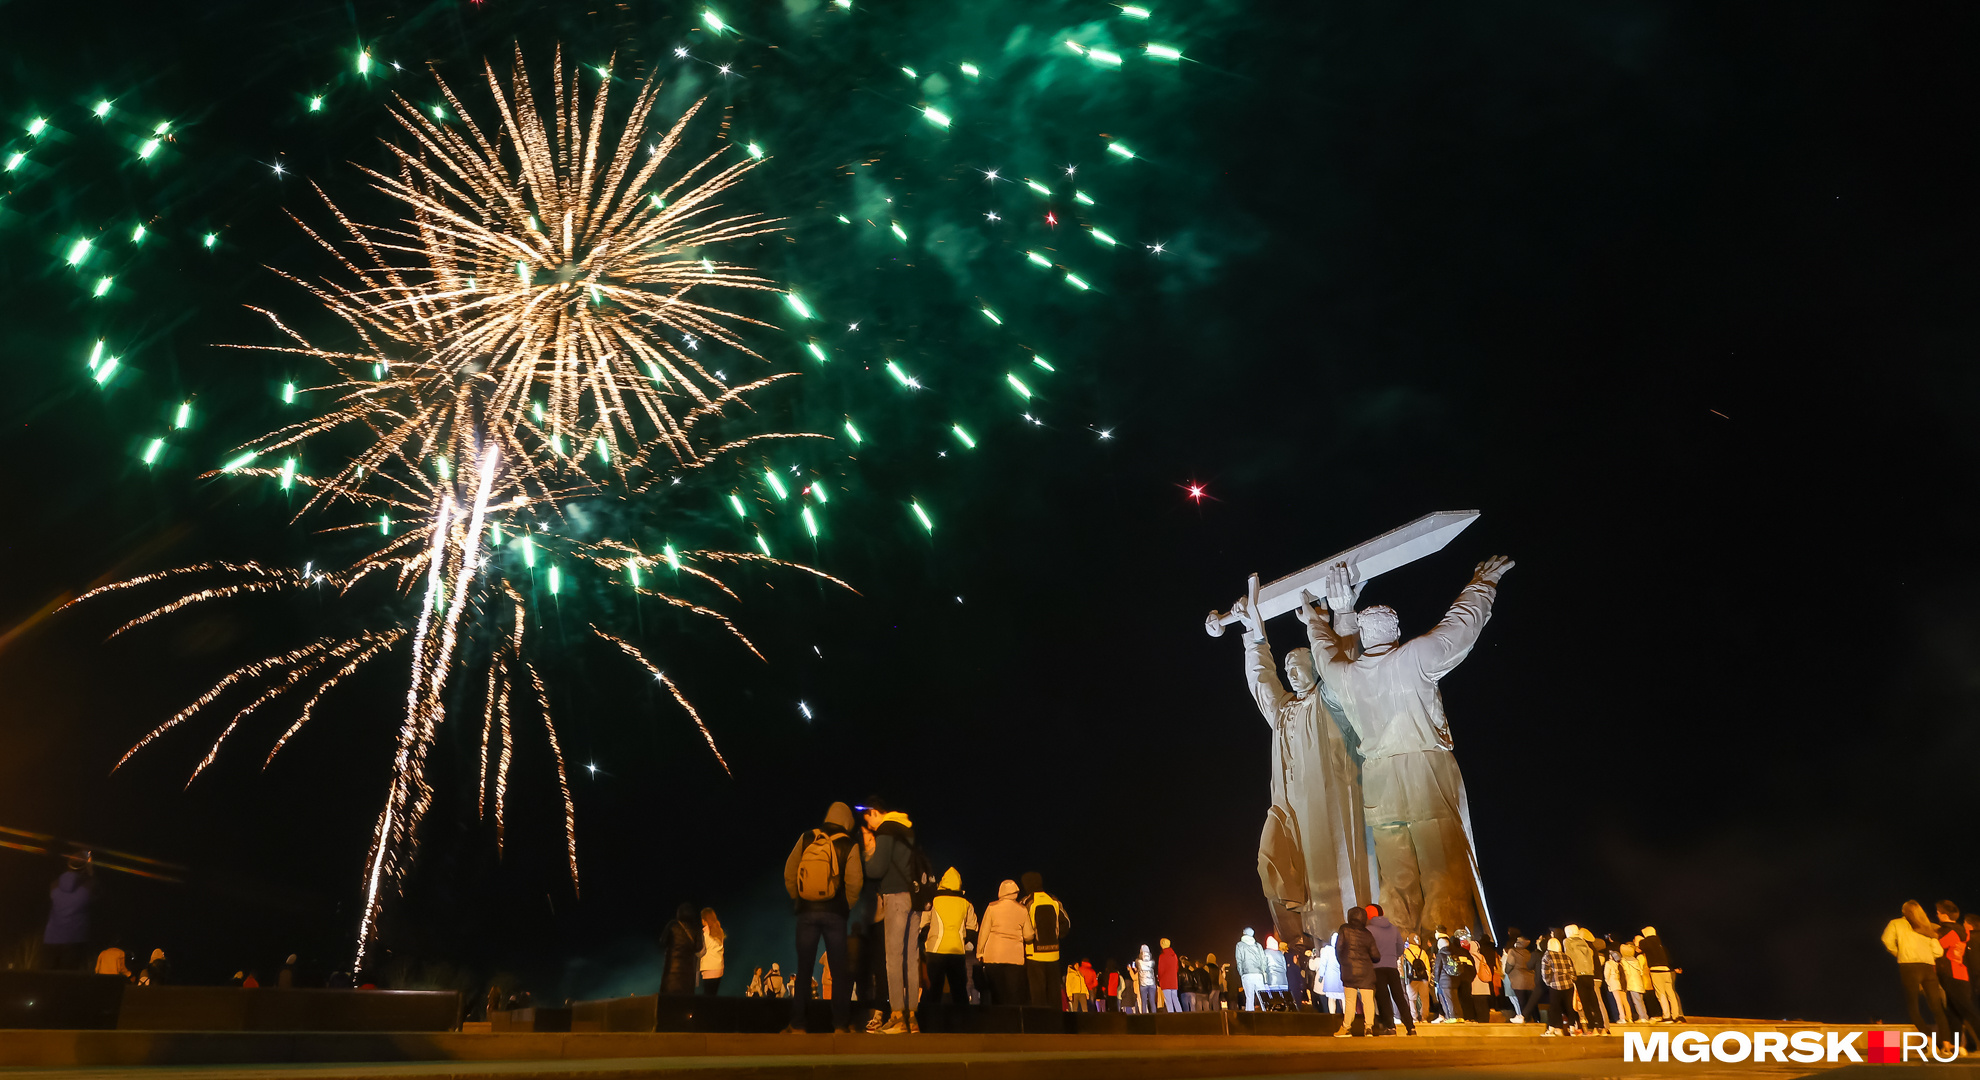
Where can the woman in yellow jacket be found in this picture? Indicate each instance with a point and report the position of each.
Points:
(948, 930)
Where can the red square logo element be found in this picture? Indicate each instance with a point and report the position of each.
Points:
(1883, 1047)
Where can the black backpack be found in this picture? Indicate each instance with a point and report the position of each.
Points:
(922, 881)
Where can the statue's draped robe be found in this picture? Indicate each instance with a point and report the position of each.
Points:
(1412, 792)
(1312, 857)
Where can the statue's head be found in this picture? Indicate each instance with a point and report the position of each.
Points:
(1379, 625)
(1299, 670)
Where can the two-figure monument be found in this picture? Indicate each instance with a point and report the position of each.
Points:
(1367, 800)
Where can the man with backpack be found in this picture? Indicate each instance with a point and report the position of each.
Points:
(1048, 922)
(893, 862)
(823, 878)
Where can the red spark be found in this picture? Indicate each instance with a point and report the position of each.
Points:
(1051, 218)
(1195, 492)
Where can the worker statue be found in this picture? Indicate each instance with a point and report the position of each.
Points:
(1312, 858)
(1413, 799)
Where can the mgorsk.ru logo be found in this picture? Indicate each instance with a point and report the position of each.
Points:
(1879, 1047)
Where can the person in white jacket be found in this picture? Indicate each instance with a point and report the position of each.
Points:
(1412, 792)
(1000, 946)
(1913, 940)
(1251, 968)
(1327, 977)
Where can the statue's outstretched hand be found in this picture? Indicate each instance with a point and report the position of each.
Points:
(1241, 607)
(1340, 589)
(1306, 613)
(1492, 569)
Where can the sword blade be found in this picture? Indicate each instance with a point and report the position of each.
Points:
(1399, 546)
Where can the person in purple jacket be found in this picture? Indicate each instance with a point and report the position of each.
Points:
(1390, 998)
(65, 940)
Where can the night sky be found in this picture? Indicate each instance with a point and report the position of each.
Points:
(1679, 296)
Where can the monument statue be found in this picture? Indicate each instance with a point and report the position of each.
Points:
(1312, 860)
(1413, 797)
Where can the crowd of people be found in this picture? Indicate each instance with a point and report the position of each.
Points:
(865, 895)
(1931, 963)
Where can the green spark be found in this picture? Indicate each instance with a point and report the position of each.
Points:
(816, 350)
(798, 305)
(843, 218)
(604, 451)
(1101, 235)
(1075, 46)
(96, 355)
(102, 109)
(818, 492)
(557, 445)
(654, 370)
(385, 524)
(963, 436)
(1038, 187)
(1111, 59)
(149, 148)
(495, 534)
(103, 373)
(378, 370)
(1018, 385)
(441, 466)
(714, 21)
(843, 5)
(556, 579)
(1164, 52)
(210, 239)
(38, 125)
(1037, 258)
(162, 128)
(853, 433)
(673, 558)
(632, 572)
(776, 484)
(152, 451)
(439, 112)
(78, 251)
(898, 232)
(288, 472)
(137, 235)
(316, 103)
(184, 418)
(736, 501)
(239, 463)
(923, 515)
(364, 62)
(1134, 12)
(288, 393)
(102, 286)
(529, 551)
(762, 543)
(970, 69)
(604, 72)
(904, 378)
(1077, 282)
(536, 410)
(14, 160)
(1120, 148)
(756, 151)
(1082, 198)
(810, 523)
(992, 316)
(1040, 361)
(910, 73)
(936, 116)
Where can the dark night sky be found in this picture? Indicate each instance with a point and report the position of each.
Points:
(1679, 295)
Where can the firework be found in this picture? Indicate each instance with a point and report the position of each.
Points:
(528, 305)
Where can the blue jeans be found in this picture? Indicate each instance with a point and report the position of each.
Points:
(1148, 999)
(830, 925)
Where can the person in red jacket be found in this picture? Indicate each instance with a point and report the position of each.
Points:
(1954, 939)
(1165, 977)
(1092, 977)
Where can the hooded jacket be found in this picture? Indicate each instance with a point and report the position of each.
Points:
(1580, 954)
(1048, 920)
(838, 825)
(1144, 968)
(1414, 954)
(1275, 970)
(893, 841)
(1518, 965)
(1006, 927)
(1250, 956)
(1651, 948)
(1356, 952)
(1165, 971)
(68, 910)
(950, 920)
(1388, 939)
(1326, 970)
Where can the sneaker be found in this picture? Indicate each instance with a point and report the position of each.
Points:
(1549, 1031)
(895, 1026)
(1519, 1019)
(1342, 1034)
(914, 1026)
(878, 1021)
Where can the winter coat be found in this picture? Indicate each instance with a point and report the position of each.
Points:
(1388, 939)
(1612, 975)
(1356, 952)
(1556, 970)
(1327, 970)
(852, 877)
(1275, 970)
(1636, 975)
(1091, 976)
(1412, 956)
(949, 920)
(1075, 982)
(1581, 955)
(1519, 965)
(1006, 927)
(1453, 964)
(893, 843)
(681, 944)
(1250, 957)
(711, 956)
(1049, 924)
(1165, 970)
(68, 909)
(1144, 968)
